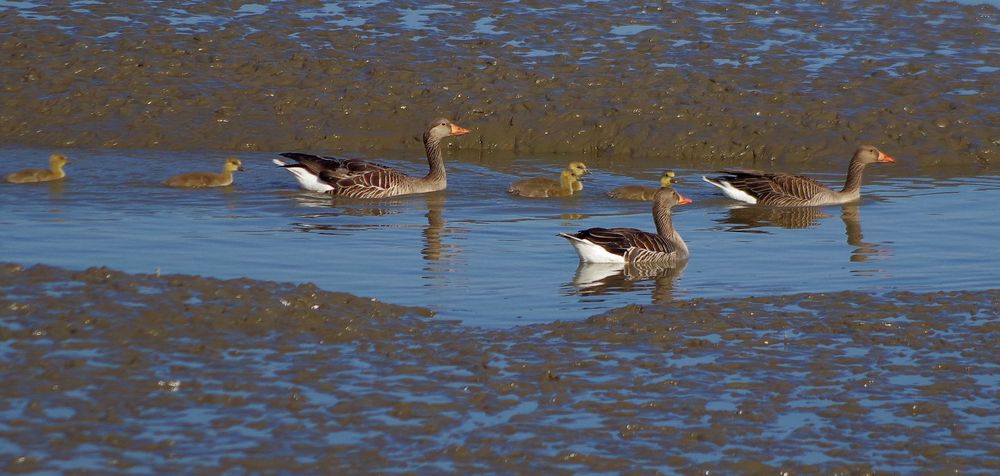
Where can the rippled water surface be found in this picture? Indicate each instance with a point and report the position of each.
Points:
(839, 340)
(477, 254)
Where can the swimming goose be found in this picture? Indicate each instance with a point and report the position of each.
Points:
(629, 245)
(54, 172)
(541, 187)
(207, 179)
(784, 190)
(360, 179)
(643, 193)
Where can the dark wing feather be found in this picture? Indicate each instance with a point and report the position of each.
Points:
(622, 241)
(774, 188)
(369, 182)
(332, 166)
(350, 177)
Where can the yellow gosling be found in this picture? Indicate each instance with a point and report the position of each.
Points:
(543, 187)
(54, 172)
(639, 192)
(207, 179)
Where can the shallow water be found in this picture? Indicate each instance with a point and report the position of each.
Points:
(842, 340)
(476, 254)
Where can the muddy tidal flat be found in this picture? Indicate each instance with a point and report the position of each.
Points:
(706, 81)
(112, 372)
(258, 328)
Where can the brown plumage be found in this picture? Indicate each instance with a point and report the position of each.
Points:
(543, 187)
(630, 245)
(784, 190)
(357, 178)
(207, 179)
(54, 172)
(643, 193)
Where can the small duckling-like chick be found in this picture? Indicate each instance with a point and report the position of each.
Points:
(543, 187)
(54, 172)
(207, 179)
(639, 192)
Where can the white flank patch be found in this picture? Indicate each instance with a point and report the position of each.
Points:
(306, 179)
(730, 191)
(591, 253)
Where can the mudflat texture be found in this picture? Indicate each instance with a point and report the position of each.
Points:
(697, 82)
(114, 372)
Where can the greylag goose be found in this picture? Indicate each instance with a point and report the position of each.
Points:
(207, 179)
(54, 172)
(784, 190)
(629, 245)
(357, 178)
(643, 193)
(542, 187)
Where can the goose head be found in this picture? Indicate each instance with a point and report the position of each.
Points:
(57, 161)
(668, 179)
(671, 198)
(868, 154)
(232, 164)
(577, 169)
(440, 128)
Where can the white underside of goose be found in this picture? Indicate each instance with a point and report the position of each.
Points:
(592, 253)
(730, 191)
(307, 180)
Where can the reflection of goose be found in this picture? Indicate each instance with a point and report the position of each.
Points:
(360, 179)
(207, 179)
(621, 245)
(609, 278)
(640, 192)
(54, 172)
(434, 232)
(541, 187)
(851, 216)
(744, 218)
(783, 190)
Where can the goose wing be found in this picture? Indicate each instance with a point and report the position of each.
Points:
(774, 188)
(331, 166)
(626, 241)
(360, 179)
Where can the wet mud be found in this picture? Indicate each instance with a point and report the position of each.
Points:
(694, 83)
(114, 372)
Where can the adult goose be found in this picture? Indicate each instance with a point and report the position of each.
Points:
(643, 193)
(784, 190)
(54, 172)
(207, 179)
(542, 187)
(629, 245)
(357, 178)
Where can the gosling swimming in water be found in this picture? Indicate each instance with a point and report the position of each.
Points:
(542, 187)
(54, 172)
(207, 179)
(639, 192)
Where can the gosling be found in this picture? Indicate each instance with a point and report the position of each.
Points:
(643, 193)
(54, 172)
(207, 179)
(543, 187)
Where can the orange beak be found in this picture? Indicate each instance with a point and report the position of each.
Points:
(684, 200)
(883, 157)
(457, 130)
